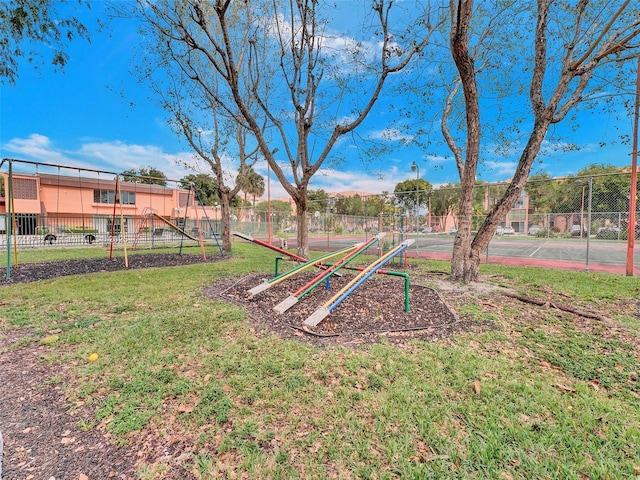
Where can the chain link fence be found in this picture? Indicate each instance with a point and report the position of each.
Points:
(578, 223)
(575, 222)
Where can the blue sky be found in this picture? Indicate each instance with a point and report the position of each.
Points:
(95, 115)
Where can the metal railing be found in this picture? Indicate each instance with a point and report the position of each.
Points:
(578, 223)
(34, 231)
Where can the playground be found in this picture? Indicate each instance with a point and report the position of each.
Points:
(375, 309)
(263, 364)
(58, 205)
(378, 307)
(197, 377)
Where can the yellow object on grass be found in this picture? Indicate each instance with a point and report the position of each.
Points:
(50, 339)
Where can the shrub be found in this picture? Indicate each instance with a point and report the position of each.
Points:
(81, 230)
(609, 234)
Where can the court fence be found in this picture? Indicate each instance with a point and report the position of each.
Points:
(581, 222)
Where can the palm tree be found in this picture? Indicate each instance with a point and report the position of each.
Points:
(255, 185)
(252, 184)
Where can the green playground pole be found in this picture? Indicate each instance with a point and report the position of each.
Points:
(310, 263)
(278, 259)
(9, 218)
(406, 292)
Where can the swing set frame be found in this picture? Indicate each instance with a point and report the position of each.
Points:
(11, 224)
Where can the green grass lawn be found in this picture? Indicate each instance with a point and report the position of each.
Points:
(538, 395)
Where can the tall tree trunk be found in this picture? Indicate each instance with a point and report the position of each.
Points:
(303, 233)
(462, 241)
(463, 59)
(303, 229)
(225, 211)
(467, 263)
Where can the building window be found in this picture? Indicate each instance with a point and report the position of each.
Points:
(107, 196)
(103, 196)
(128, 198)
(115, 227)
(25, 189)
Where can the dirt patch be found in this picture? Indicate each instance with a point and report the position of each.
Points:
(42, 436)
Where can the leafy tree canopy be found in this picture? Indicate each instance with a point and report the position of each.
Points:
(280, 210)
(357, 205)
(318, 200)
(35, 23)
(413, 193)
(252, 183)
(609, 189)
(205, 185)
(444, 200)
(148, 175)
(279, 206)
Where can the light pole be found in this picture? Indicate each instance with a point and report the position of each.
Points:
(416, 168)
(631, 227)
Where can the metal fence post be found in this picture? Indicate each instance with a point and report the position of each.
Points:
(589, 219)
(9, 221)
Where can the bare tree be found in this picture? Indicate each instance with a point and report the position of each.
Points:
(211, 147)
(200, 107)
(310, 85)
(578, 51)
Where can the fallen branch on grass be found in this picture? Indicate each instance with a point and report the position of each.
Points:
(559, 306)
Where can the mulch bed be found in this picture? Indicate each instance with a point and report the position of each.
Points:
(32, 272)
(374, 310)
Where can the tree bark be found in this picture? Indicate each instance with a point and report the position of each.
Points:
(463, 256)
(302, 234)
(225, 211)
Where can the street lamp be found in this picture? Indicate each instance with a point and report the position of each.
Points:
(416, 168)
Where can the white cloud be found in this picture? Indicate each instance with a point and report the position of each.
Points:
(331, 180)
(117, 156)
(499, 171)
(35, 147)
(549, 147)
(347, 49)
(114, 156)
(438, 159)
(346, 52)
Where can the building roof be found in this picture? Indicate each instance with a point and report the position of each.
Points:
(351, 193)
